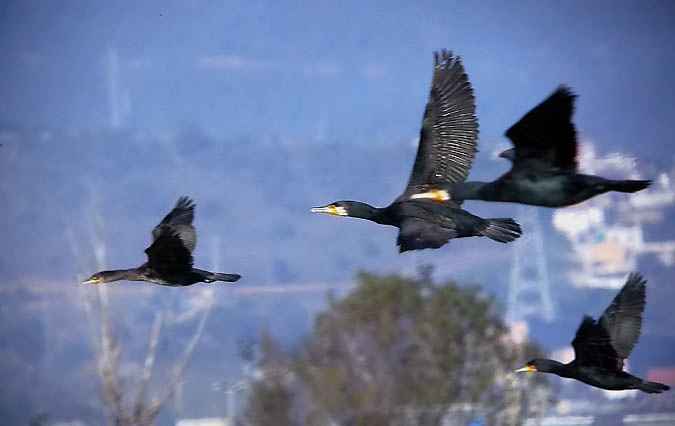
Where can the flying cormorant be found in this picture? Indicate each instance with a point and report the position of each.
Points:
(170, 254)
(544, 164)
(601, 346)
(446, 150)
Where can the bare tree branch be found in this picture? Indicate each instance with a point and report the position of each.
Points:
(179, 369)
(148, 365)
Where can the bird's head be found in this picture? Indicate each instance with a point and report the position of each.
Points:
(541, 365)
(530, 367)
(509, 154)
(102, 277)
(346, 208)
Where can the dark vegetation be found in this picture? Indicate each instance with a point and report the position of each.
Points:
(397, 351)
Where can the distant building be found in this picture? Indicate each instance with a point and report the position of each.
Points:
(654, 419)
(68, 423)
(206, 421)
(607, 233)
(561, 420)
(664, 375)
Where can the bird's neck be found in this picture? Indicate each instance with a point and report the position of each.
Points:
(475, 191)
(122, 274)
(368, 212)
(560, 369)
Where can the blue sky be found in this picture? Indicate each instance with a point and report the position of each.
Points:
(342, 71)
(262, 109)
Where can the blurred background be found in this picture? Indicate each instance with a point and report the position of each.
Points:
(109, 111)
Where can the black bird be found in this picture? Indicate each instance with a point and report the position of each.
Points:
(446, 150)
(601, 346)
(170, 254)
(544, 164)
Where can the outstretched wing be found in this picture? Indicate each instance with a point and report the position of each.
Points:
(546, 133)
(447, 144)
(623, 317)
(179, 222)
(593, 346)
(168, 255)
(610, 340)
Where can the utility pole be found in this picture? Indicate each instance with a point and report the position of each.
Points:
(529, 286)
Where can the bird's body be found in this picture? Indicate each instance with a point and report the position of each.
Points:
(544, 168)
(601, 346)
(180, 279)
(446, 150)
(427, 224)
(606, 379)
(545, 189)
(169, 256)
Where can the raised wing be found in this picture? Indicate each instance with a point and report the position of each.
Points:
(546, 133)
(168, 255)
(610, 340)
(447, 144)
(179, 221)
(623, 318)
(593, 346)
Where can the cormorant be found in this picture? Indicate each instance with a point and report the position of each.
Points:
(601, 346)
(170, 254)
(544, 165)
(446, 150)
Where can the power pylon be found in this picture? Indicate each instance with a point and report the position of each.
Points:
(529, 287)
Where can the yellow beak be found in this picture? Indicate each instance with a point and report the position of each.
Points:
(438, 195)
(527, 369)
(93, 281)
(330, 209)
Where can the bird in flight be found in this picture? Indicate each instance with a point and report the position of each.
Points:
(446, 150)
(169, 256)
(544, 169)
(601, 346)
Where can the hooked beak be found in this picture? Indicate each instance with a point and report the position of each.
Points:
(438, 195)
(330, 209)
(527, 369)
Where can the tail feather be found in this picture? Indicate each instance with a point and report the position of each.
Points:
(503, 230)
(653, 387)
(629, 185)
(230, 278)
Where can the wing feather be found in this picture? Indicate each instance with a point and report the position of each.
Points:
(608, 341)
(546, 133)
(623, 317)
(449, 131)
(179, 221)
(593, 346)
(168, 255)
(417, 234)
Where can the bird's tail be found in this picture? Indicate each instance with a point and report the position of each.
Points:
(230, 278)
(653, 387)
(503, 230)
(628, 185)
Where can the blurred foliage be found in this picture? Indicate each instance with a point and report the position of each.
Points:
(397, 351)
(41, 419)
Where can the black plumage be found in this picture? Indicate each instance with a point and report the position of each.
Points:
(446, 150)
(170, 254)
(600, 347)
(544, 169)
